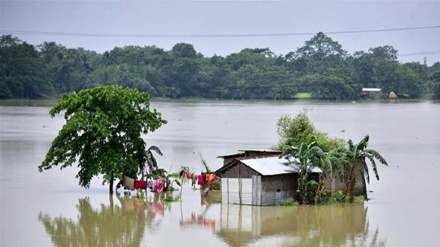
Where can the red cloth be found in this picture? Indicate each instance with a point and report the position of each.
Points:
(140, 184)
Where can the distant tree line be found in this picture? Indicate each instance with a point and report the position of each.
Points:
(321, 68)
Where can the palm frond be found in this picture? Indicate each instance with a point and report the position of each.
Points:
(155, 149)
(373, 164)
(350, 145)
(205, 164)
(364, 142)
(289, 151)
(151, 161)
(376, 156)
(367, 172)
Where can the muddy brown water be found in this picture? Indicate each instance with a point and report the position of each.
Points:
(50, 209)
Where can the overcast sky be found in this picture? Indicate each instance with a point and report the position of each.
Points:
(224, 27)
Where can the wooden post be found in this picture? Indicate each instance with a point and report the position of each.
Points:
(239, 183)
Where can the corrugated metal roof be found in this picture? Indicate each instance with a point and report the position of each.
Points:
(369, 89)
(273, 166)
(244, 151)
(259, 150)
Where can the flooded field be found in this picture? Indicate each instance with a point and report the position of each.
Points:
(50, 209)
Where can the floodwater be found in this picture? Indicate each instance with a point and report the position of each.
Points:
(50, 209)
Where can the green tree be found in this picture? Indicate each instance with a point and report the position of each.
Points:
(22, 71)
(408, 83)
(319, 55)
(102, 133)
(181, 71)
(214, 79)
(356, 158)
(293, 131)
(435, 78)
(327, 87)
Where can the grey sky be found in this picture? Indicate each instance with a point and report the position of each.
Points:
(107, 19)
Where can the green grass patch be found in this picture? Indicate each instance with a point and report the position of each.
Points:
(303, 95)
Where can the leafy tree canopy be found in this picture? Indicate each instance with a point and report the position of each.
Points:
(321, 68)
(102, 133)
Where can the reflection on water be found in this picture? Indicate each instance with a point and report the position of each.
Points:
(123, 223)
(126, 222)
(109, 225)
(335, 225)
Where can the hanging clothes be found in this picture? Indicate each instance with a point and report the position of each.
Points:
(161, 185)
(154, 185)
(200, 179)
(140, 184)
(210, 177)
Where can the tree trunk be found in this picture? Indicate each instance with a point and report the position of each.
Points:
(110, 197)
(352, 184)
(319, 188)
(348, 183)
(111, 185)
(364, 189)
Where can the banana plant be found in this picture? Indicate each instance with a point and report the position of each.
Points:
(357, 155)
(308, 155)
(146, 158)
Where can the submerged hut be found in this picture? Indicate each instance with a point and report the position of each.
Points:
(273, 181)
(259, 181)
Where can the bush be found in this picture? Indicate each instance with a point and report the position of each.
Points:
(289, 202)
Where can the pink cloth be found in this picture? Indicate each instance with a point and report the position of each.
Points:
(161, 185)
(158, 185)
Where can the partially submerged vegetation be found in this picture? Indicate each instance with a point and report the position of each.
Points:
(102, 135)
(312, 148)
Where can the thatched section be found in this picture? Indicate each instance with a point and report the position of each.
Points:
(392, 95)
(128, 183)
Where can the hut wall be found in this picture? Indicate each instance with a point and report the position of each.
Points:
(256, 189)
(233, 172)
(229, 159)
(246, 191)
(277, 188)
(336, 184)
(269, 198)
(280, 182)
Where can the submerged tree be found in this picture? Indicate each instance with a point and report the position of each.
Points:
(313, 148)
(102, 133)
